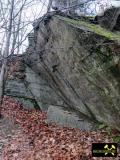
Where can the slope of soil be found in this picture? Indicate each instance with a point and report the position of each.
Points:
(34, 139)
(7, 131)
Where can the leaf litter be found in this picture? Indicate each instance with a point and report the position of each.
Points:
(37, 140)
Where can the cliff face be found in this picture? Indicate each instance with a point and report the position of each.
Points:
(72, 70)
(26, 86)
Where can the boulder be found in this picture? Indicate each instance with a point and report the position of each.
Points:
(71, 70)
(69, 118)
(80, 63)
(110, 19)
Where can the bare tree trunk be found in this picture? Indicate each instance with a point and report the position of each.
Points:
(49, 5)
(17, 30)
(6, 52)
(16, 34)
(2, 80)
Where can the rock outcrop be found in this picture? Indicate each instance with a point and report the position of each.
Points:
(72, 68)
(28, 87)
(110, 19)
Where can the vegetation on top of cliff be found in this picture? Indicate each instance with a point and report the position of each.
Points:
(93, 28)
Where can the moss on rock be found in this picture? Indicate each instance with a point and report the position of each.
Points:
(92, 27)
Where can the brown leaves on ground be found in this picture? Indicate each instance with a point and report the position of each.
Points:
(37, 140)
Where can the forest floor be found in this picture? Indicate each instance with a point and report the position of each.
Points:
(25, 135)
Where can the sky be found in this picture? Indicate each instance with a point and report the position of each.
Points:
(38, 10)
(116, 3)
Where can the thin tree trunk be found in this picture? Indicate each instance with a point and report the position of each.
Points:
(6, 52)
(2, 80)
(16, 34)
(17, 30)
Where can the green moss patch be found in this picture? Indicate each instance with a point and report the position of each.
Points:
(92, 27)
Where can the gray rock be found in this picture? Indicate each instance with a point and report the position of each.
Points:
(17, 88)
(67, 118)
(28, 104)
(41, 90)
(110, 19)
(75, 65)
(75, 59)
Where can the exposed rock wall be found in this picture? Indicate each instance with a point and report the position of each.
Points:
(28, 87)
(72, 66)
(80, 63)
